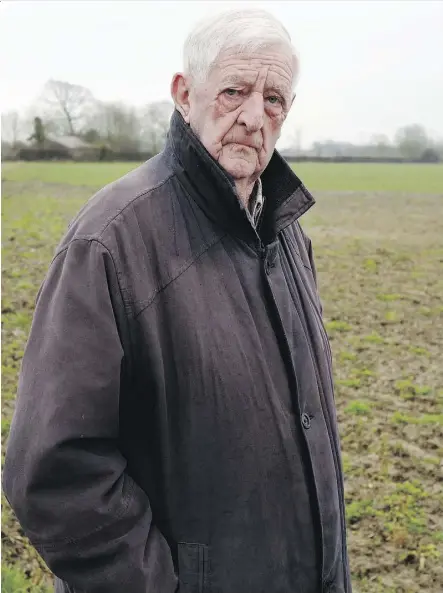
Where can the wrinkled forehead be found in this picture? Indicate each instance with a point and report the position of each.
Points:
(274, 67)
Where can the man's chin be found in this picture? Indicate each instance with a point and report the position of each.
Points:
(238, 168)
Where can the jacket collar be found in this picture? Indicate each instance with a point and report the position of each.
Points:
(213, 189)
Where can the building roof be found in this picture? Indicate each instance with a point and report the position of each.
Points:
(69, 142)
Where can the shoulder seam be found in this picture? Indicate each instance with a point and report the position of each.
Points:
(183, 269)
(94, 239)
(130, 304)
(136, 197)
(99, 234)
(145, 192)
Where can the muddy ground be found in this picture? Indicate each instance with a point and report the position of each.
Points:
(379, 259)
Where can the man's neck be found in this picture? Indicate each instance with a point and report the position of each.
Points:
(245, 187)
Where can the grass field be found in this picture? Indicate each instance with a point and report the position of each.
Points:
(378, 240)
(416, 179)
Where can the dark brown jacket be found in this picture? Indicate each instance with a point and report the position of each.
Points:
(175, 425)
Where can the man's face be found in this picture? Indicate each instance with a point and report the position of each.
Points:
(238, 113)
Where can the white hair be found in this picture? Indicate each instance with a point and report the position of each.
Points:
(244, 31)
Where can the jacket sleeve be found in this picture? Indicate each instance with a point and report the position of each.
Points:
(64, 475)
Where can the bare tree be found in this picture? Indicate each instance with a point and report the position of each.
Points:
(11, 127)
(438, 145)
(154, 125)
(117, 124)
(412, 141)
(381, 145)
(66, 105)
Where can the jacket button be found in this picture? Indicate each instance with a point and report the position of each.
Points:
(306, 421)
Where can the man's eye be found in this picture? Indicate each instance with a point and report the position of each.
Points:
(274, 100)
(231, 92)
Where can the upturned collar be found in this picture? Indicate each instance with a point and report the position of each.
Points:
(213, 189)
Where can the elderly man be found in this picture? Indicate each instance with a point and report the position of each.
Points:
(175, 426)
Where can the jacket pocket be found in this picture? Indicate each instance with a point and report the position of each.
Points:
(192, 567)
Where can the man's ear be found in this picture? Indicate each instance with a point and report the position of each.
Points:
(293, 99)
(180, 95)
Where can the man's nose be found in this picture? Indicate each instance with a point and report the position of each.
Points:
(252, 113)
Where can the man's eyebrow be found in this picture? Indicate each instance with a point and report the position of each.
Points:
(234, 79)
(280, 88)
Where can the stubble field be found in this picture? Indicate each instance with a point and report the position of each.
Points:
(377, 232)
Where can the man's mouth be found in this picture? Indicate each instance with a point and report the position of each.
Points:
(244, 145)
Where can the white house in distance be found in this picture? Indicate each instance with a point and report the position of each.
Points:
(74, 147)
(69, 148)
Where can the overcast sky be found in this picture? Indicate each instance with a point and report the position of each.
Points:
(367, 67)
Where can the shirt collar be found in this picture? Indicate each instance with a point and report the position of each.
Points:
(256, 202)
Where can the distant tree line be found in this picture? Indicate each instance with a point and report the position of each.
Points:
(410, 143)
(64, 110)
(120, 131)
